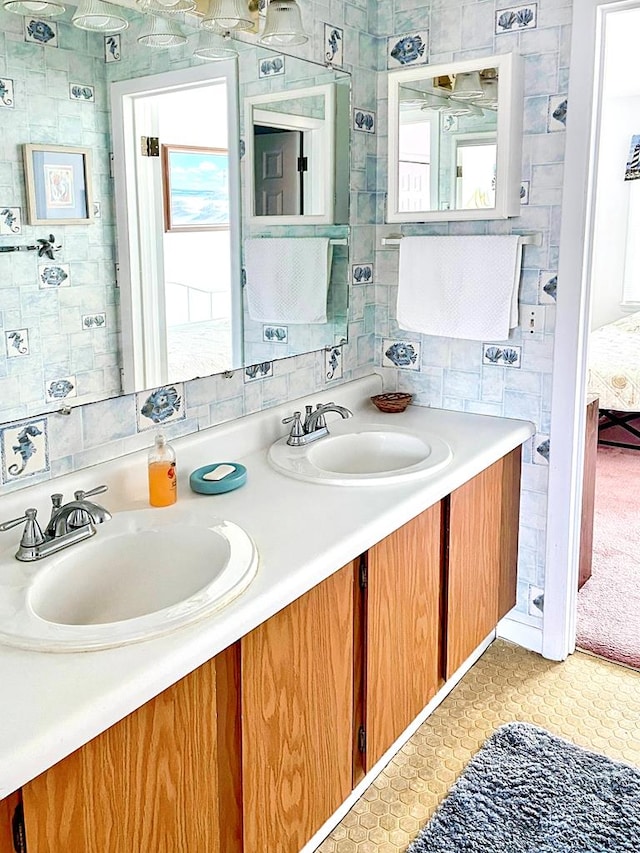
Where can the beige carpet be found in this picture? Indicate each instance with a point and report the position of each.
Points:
(590, 702)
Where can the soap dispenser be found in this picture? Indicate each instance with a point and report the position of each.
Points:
(163, 483)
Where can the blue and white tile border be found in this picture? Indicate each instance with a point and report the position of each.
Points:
(272, 66)
(51, 276)
(160, 406)
(258, 371)
(6, 92)
(403, 354)
(112, 48)
(10, 220)
(275, 334)
(17, 341)
(557, 114)
(547, 287)
(535, 602)
(333, 46)
(408, 49)
(362, 273)
(41, 32)
(364, 120)
(333, 364)
(540, 449)
(82, 92)
(60, 388)
(501, 356)
(94, 321)
(24, 446)
(516, 18)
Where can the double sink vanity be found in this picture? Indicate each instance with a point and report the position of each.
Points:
(220, 675)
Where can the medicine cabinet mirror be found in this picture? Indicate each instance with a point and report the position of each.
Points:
(455, 140)
(291, 144)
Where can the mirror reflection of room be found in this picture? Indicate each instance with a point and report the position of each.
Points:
(84, 331)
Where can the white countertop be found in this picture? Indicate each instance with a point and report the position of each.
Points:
(51, 704)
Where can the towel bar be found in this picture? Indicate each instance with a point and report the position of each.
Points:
(534, 239)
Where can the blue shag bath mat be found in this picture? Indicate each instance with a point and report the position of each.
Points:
(527, 791)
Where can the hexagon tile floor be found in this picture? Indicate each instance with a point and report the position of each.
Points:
(591, 702)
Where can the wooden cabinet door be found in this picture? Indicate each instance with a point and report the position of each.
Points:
(150, 782)
(297, 717)
(483, 556)
(403, 614)
(8, 808)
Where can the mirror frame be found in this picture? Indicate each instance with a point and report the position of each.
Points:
(508, 136)
(325, 141)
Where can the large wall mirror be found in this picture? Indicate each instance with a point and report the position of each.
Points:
(149, 289)
(455, 135)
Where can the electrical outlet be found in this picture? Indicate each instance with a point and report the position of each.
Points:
(532, 319)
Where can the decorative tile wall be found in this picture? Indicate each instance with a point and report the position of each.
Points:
(45, 296)
(361, 35)
(480, 377)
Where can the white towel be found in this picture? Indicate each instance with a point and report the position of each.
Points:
(288, 279)
(459, 287)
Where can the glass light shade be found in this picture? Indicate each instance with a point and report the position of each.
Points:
(34, 8)
(168, 8)
(98, 17)
(228, 15)
(434, 103)
(161, 32)
(283, 24)
(462, 110)
(466, 86)
(209, 48)
(489, 99)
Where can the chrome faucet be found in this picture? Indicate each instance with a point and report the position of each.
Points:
(314, 425)
(69, 523)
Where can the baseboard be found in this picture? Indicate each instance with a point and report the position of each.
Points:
(520, 633)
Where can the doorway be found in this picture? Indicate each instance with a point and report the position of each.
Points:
(576, 304)
(176, 169)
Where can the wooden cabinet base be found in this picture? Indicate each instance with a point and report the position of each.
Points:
(483, 556)
(297, 712)
(152, 782)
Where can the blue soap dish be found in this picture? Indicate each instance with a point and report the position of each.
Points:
(218, 478)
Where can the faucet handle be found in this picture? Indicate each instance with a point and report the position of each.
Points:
(296, 434)
(32, 534)
(80, 495)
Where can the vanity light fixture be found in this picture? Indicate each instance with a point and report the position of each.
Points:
(209, 47)
(225, 15)
(434, 103)
(169, 7)
(34, 8)
(161, 32)
(466, 86)
(283, 25)
(97, 16)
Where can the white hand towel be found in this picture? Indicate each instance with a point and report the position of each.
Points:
(459, 287)
(288, 279)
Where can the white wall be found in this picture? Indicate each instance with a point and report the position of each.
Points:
(620, 119)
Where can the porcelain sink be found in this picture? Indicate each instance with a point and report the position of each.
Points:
(362, 455)
(144, 574)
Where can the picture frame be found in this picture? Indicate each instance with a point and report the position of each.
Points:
(195, 184)
(58, 185)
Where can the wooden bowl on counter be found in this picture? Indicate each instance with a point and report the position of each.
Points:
(392, 401)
